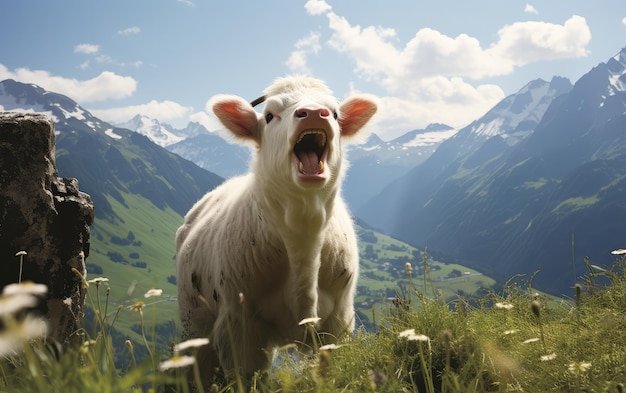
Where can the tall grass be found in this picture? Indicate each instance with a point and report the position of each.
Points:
(510, 341)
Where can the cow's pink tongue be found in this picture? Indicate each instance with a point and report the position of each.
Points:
(310, 163)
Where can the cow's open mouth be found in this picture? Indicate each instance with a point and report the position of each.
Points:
(310, 149)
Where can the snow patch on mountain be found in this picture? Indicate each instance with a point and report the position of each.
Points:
(404, 151)
(489, 129)
(514, 118)
(617, 73)
(160, 133)
(11, 103)
(430, 138)
(76, 112)
(112, 134)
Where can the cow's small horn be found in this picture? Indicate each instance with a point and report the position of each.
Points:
(257, 101)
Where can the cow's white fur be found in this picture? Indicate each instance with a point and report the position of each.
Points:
(266, 250)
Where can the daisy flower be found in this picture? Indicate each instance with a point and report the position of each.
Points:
(309, 320)
(153, 293)
(192, 343)
(177, 362)
(25, 288)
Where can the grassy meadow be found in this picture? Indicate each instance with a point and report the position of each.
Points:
(514, 340)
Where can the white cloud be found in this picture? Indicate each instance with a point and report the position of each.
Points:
(430, 53)
(527, 42)
(86, 48)
(529, 9)
(317, 7)
(107, 85)
(297, 61)
(311, 43)
(624, 21)
(129, 31)
(166, 111)
(427, 76)
(451, 101)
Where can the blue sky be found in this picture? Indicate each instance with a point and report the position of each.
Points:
(445, 61)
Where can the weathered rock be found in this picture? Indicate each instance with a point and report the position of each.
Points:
(44, 215)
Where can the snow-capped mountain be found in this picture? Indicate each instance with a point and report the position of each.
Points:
(195, 143)
(111, 163)
(513, 118)
(617, 73)
(162, 134)
(376, 163)
(21, 97)
(406, 150)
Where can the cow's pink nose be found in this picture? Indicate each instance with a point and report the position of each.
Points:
(306, 112)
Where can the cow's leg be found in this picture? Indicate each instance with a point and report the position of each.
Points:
(302, 287)
(341, 320)
(209, 365)
(241, 342)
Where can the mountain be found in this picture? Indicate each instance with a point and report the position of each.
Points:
(213, 153)
(513, 118)
(502, 127)
(109, 160)
(510, 208)
(195, 143)
(376, 163)
(140, 191)
(160, 133)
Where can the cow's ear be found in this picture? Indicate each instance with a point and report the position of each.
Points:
(355, 112)
(238, 116)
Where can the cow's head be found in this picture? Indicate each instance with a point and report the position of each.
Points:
(298, 136)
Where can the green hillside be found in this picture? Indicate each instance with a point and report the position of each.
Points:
(135, 253)
(384, 276)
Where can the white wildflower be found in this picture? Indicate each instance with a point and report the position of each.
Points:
(309, 320)
(14, 303)
(579, 367)
(153, 293)
(549, 357)
(177, 362)
(25, 288)
(504, 306)
(330, 347)
(192, 343)
(407, 333)
(417, 337)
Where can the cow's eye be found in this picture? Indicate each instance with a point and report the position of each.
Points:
(268, 117)
(335, 115)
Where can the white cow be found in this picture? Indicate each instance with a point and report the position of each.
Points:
(266, 250)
